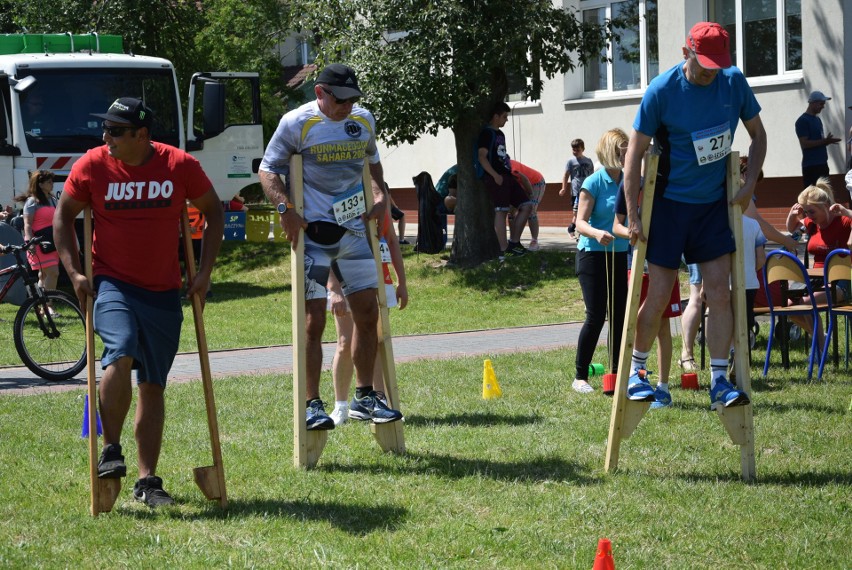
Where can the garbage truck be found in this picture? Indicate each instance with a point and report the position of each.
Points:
(52, 83)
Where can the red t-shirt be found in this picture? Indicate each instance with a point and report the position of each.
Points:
(137, 212)
(823, 240)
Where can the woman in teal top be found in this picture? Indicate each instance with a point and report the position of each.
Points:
(601, 263)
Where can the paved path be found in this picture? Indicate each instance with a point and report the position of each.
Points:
(279, 359)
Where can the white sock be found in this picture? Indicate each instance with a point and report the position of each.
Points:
(664, 386)
(340, 404)
(639, 360)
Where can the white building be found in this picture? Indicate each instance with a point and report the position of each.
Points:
(786, 48)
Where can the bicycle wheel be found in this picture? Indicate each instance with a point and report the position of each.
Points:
(50, 335)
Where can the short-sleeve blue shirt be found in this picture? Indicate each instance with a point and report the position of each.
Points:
(810, 126)
(679, 115)
(603, 189)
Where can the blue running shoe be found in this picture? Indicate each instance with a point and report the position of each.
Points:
(662, 399)
(316, 416)
(372, 408)
(638, 387)
(723, 394)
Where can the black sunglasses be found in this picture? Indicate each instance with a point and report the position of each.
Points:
(340, 101)
(116, 131)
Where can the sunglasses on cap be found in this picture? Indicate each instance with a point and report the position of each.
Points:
(115, 131)
(340, 101)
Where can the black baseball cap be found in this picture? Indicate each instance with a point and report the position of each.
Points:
(340, 80)
(128, 110)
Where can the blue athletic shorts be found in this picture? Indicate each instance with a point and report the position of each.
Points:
(350, 258)
(135, 322)
(698, 231)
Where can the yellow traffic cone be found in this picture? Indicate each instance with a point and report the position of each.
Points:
(490, 387)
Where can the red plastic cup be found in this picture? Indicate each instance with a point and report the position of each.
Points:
(609, 383)
(689, 381)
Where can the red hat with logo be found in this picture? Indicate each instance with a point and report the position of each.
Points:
(710, 43)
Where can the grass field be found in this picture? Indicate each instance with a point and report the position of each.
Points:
(511, 483)
(516, 482)
(251, 302)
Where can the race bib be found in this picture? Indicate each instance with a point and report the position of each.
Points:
(384, 249)
(712, 144)
(350, 205)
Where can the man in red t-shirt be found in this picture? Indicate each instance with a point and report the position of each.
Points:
(136, 189)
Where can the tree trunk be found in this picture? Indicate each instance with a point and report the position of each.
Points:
(474, 239)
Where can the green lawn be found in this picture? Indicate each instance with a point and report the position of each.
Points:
(516, 482)
(251, 302)
(511, 483)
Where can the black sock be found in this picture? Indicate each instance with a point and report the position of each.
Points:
(363, 391)
(308, 403)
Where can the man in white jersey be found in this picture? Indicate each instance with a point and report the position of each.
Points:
(334, 137)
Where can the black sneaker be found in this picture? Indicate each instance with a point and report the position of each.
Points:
(149, 490)
(515, 249)
(370, 407)
(111, 464)
(316, 416)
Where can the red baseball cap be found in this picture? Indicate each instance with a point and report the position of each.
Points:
(711, 45)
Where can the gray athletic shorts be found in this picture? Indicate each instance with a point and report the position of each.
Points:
(350, 258)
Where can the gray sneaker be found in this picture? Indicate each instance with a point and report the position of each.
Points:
(370, 407)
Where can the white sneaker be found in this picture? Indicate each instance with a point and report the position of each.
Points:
(582, 387)
(340, 415)
(533, 246)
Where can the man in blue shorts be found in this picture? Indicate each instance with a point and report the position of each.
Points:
(334, 137)
(690, 214)
(137, 190)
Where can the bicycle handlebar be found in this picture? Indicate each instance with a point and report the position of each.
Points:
(9, 248)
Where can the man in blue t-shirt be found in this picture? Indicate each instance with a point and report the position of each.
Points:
(690, 214)
(814, 145)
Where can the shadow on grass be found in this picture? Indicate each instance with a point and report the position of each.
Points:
(805, 479)
(455, 467)
(517, 275)
(230, 290)
(353, 518)
(765, 407)
(473, 420)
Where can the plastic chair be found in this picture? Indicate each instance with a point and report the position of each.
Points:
(784, 266)
(837, 267)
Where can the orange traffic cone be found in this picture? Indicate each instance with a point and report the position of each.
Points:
(603, 559)
(490, 387)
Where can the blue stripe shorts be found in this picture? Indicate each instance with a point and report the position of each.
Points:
(139, 323)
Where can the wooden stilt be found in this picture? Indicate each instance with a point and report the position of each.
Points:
(738, 421)
(307, 445)
(626, 414)
(390, 436)
(210, 479)
(103, 491)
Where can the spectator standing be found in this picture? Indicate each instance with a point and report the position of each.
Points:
(537, 186)
(505, 191)
(137, 190)
(39, 208)
(601, 262)
(578, 168)
(814, 145)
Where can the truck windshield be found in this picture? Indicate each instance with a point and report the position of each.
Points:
(56, 110)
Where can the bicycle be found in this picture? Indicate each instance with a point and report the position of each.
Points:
(49, 328)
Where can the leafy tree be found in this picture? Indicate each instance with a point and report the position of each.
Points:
(428, 65)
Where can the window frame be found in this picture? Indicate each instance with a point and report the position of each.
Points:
(644, 80)
(781, 71)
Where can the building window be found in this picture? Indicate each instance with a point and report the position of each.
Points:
(631, 60)
(766, 37)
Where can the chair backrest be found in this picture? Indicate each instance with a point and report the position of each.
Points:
(838, 266)
(784, 266)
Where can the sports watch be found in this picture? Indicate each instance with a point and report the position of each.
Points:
(284, 206)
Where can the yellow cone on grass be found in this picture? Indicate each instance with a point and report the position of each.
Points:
(490, 387)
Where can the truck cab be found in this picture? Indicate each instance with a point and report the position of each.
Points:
(52, 83)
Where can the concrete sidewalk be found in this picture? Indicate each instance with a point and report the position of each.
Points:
(279, 359)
